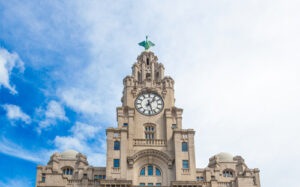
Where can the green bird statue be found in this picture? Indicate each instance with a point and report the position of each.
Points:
(146, 44)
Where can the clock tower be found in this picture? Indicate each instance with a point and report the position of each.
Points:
(148, 147)
(153, 147)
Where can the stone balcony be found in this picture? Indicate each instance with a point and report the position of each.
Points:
(149, 142)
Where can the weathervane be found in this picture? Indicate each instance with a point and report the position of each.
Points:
(146, 44)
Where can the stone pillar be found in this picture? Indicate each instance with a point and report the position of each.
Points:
(123, 150)
(131, 128)
(169, 130)
(191, 149)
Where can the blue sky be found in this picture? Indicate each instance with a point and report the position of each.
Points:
(62, 64)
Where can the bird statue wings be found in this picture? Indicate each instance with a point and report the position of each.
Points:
(146, 44)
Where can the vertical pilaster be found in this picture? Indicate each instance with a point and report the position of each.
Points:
(169, 130)
(131, 128)
(123, 149)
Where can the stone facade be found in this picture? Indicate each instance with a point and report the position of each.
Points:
(149, 147)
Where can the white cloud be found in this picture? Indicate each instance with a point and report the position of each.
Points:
(9, 61)
(19, 182)
(240, 57)
(53, 112)
(14, 112)
(10, 148)
(79, 141)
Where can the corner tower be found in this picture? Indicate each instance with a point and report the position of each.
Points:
(154, 149)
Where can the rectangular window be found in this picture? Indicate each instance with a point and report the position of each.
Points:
(201, 178)
(150, 170)
(116, 145)
(100, 177)
(125, 124)
(43, 177)
(96, 177)
(150, 184)
(184, 146)
(116, 163)
(104, 177)
(142, 184)
(185, 164)
(158, 184)
(174, 126)
(84, 175)
(198, 178)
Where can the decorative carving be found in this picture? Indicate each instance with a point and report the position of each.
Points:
(150, 153)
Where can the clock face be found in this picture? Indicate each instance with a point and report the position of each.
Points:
(149, 104)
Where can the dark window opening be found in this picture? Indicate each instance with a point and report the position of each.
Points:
(116, 163)
(150, 170)
(43, 177)
(148, 75)
(147, 61)
(116, 145)
(125, 124)
(185, 164)
(184, 147)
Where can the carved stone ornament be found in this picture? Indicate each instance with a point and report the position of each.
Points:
(150, 153)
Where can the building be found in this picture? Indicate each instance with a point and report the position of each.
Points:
(149, 147)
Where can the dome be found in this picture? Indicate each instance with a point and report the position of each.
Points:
(69, 154)
(225, 157)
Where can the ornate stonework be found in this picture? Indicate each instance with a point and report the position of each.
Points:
(148, 147)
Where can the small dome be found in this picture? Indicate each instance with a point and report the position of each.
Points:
(69, 154)
(225, 157)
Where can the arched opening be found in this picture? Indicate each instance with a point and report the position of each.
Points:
(67, 171)
(151, 167)
(227, 173)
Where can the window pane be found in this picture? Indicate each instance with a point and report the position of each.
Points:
(125, 124)
(150, 170)
(142, 184)
(150, 184)
(116, 163)
(104, 176)
(158, 184)
(71, 172)
(184, 146)
(96, 177)
(185, 164)
(117, 145)
(100, 177)
(142, 171)
(157, 172)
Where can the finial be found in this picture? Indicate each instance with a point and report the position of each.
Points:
(146, 44)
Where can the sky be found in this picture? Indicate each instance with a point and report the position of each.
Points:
(236, 66)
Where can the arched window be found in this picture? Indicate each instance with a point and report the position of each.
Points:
(184, 146)
(227, 173)
(68, 171)
(157, 172)
(116, 145)
(149, 171)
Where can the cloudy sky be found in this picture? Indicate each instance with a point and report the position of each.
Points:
(236, 66)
